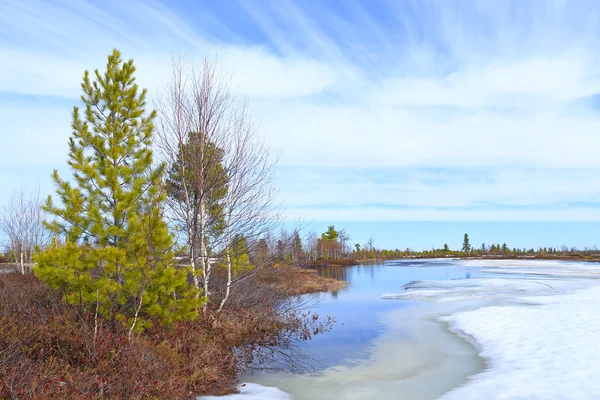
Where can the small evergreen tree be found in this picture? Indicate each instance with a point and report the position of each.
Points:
(117, 257)
(331, 234)
(329, 242)
(466, 247)
(280, 250)
(215, 182)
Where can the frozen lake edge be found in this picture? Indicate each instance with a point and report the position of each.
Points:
(511, 322)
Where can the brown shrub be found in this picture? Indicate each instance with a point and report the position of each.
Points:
(51, 350)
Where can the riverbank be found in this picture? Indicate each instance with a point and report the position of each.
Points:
(549, 257)
(538, 332)
(52, 350)
(295, 281)
(349, 262)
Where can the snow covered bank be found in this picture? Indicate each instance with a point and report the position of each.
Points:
(252, 391)
(546, 350)
(539, 332)
(485, 289)
(537, 267)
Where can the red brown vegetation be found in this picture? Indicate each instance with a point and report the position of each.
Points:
(295, 281)
(51, 350)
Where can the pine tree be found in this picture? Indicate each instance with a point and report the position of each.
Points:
(118, 253)
(331, 234)
(214, 182)
(466, 247)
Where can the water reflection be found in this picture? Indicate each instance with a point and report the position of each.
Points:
(359, 309)
(379, 348)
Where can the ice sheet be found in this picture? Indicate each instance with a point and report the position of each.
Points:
(485, 289)
(555, 268)
(544, 351)
(540, 336)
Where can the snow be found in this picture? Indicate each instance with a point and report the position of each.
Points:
(252, 391)
(539, 334)
(546, 350)
(484, 289)
(541, 267)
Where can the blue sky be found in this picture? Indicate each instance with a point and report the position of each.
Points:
(408, 121)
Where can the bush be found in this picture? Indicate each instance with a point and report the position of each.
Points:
(6, 258)
(51, 349)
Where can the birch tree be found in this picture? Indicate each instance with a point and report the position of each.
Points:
(22, 223)
(192, 132)
(222, 185)
(251, 193)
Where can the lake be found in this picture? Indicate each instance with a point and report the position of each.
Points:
(379, 347)
(450, 329)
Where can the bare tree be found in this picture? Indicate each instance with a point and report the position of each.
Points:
(22, 223)
(344, 239)
(312, 246)
(251, 194)
(191, 132)
(221, 172)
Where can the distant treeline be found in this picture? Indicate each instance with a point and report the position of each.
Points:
(334, 247)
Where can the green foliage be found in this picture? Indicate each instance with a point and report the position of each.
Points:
(240, 262)
(205, 180)
(331, 235)
(466, 247)
(118, 252)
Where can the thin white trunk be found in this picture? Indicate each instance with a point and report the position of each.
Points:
(204, 262)
(230, 206)
(193, 267)
(22, 263)
(135, 317)
(228, 287)
(96, 319)
(229, 272)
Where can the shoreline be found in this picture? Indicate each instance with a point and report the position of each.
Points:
(353, 262)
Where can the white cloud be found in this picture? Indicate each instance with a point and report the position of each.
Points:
(365, 214)
(417, 188)
(477, 86)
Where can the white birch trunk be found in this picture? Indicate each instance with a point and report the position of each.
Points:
(22, 264)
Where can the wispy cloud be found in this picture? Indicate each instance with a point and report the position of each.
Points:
(499, 96)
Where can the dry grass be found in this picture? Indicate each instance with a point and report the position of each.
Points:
(48, 350)
(296, 281)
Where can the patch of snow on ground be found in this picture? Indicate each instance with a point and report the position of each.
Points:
(252, 391)
(546, 351)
